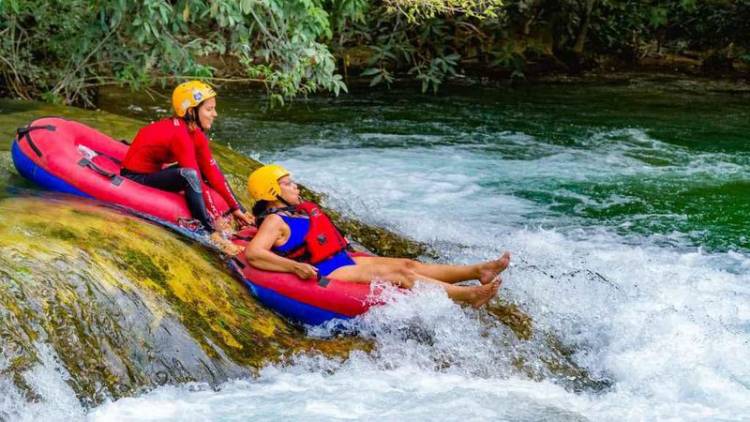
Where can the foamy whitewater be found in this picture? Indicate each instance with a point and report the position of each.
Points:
(667, 323)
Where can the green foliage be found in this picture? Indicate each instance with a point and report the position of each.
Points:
(344, 12)
(431, 40)
(432, 74)
(288, 56)
(62, 50)
(632, 27)
(418, 10)
(410, 39)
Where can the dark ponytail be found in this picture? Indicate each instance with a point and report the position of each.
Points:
(191, 118)
(259, 211)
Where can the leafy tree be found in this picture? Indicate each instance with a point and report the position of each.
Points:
(417, 10)
(62, 50)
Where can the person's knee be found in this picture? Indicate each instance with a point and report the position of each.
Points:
(407, 273)
(188, 173)
(409, 264)
(191, 176)
(406, 278)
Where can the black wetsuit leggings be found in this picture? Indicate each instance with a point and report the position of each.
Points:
(175, 179)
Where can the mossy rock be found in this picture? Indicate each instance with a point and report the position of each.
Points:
(126, 310)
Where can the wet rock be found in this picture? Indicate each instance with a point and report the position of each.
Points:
(127, 310)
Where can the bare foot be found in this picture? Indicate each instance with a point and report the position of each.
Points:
(483, 294)
(491, 269)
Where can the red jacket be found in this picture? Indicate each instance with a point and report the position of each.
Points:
(170, 140)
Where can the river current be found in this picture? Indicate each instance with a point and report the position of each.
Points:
(625, 209)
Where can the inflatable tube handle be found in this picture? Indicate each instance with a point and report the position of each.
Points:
(116, 180)
(23, 132)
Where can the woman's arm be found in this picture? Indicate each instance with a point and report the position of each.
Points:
(184, 151)
(259, 254)
(211, 171)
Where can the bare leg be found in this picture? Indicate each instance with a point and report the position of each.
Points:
(484, 271)
(367, 270)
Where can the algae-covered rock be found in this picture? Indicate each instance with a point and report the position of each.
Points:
(126, 305)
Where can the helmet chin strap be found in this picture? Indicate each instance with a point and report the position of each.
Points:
(288, 208)
(288, 205)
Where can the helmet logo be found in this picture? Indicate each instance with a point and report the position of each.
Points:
(321, 239)
(197, 96)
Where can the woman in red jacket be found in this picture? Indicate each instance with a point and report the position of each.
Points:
(181, 139)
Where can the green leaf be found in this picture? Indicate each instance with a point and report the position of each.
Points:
(376, 80)
(658, 16)
(370, 71)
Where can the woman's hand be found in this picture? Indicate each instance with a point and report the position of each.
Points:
(243, 218)
(305, 271)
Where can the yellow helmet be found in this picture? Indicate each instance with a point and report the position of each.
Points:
(263, 183)
(190, 94)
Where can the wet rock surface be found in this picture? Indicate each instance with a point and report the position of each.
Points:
(126, 305)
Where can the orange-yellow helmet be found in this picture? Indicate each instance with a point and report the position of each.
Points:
(190, 94)
(263, 183)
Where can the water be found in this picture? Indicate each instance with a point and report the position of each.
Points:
(626, 210)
